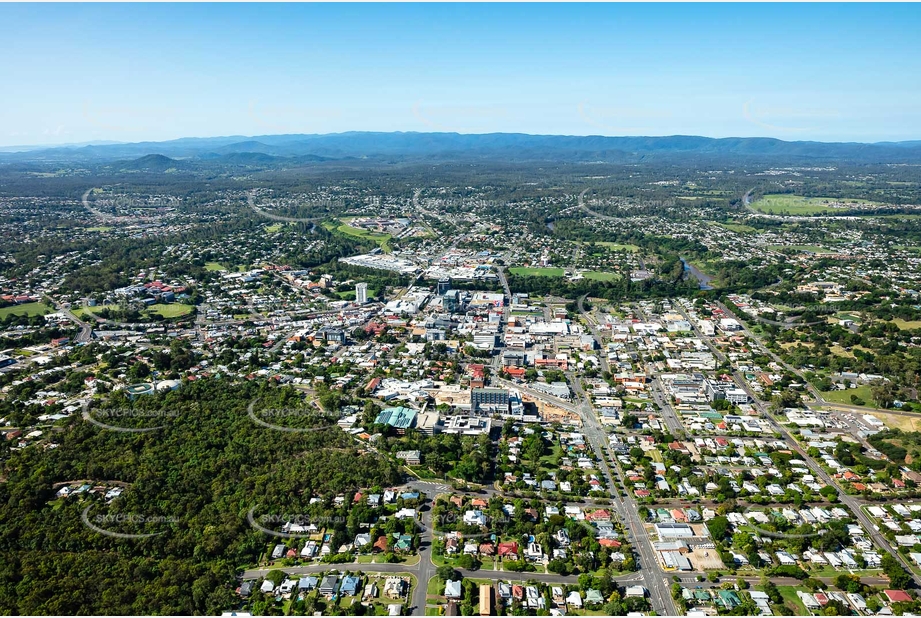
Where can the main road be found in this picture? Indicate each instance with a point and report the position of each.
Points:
(653, 576)
(86, 331)
(855, 506)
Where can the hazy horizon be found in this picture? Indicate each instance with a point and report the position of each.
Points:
(101, 142)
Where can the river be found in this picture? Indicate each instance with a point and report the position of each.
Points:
(702, 278)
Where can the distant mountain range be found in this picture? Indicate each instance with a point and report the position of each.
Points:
(267, 150)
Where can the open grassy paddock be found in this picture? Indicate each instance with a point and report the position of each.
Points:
(785, 204)
(172, 310)
(863, 392)
(383, 240)
(897, 421)
(614, 246)
(350, 294)
(28, 309)
(536, 271)
(600, 276)
(791, 600)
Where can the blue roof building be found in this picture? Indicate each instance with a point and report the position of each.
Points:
(349, 586)
(399, 418)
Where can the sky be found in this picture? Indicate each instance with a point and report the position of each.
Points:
(76, 73)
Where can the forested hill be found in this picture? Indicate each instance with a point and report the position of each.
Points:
(193, 481)
(490, 146)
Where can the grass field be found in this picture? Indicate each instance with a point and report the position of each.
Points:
(902, 216)
(28, 309)
(845, 396)
(383, 240)
(785, 204)
(837, 350)
(895, 421)
(172, 310)
(350, 294)
(906, 325)
(793, 344)
(214, 266)
(613, 246)
(738, 227)
(791, 600)
(436, 587)
(848, 316)
(547, 461)
(83, 312)
(271, 229)
(532, 271)
(599, 276)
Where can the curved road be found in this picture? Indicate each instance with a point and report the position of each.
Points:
(875, 535)
(86, 331)
(267, 215)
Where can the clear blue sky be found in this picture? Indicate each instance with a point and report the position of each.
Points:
(75, 73)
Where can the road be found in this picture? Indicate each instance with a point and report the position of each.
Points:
(425, 569)
(819, 400)
(654, 578)
(878, 539)
(596, 333)
(86, 331)
(668, 414)
(267, 215)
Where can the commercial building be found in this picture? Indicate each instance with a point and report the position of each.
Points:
(412, 458)
(361, 293)
(429, 423)
(467, 425)
(451, 301)
(725, 390)
(489, 400)
(674, 531)
(399, 418)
